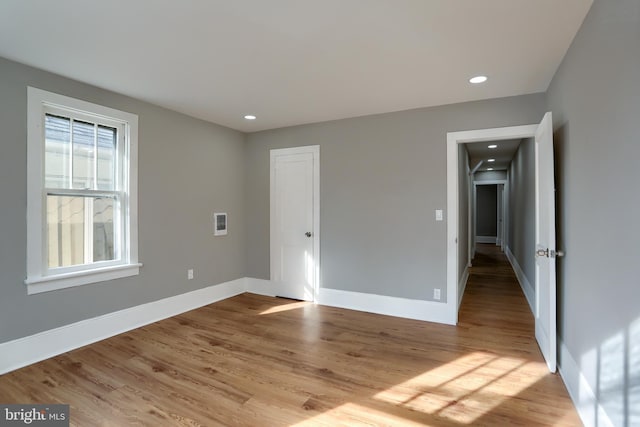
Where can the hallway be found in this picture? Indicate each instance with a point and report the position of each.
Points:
(493, 296)
(495, 312)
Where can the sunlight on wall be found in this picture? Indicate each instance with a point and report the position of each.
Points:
(611, 377)
(588, 365)
(611, 393)
(634, 374)
(476, 383)
(310, 269)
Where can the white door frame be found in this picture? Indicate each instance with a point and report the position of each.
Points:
(453, 139)
(315, 151)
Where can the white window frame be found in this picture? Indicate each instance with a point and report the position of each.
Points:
(41, 278)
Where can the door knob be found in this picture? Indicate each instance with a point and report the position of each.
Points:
(308, 234)
(549, 253)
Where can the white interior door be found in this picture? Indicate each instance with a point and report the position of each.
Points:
(545, 312)
(294, 222)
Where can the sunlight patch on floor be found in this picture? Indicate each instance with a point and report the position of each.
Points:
(465, 389)
(285, 307)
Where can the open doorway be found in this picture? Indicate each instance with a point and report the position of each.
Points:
(543, 245)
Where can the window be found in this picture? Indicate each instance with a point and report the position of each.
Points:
(82, 198)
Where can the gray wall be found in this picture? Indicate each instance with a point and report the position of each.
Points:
(595, 99)
(490, 176)
(188, 168)
(522, 215)
(381, 179)
(486, 210)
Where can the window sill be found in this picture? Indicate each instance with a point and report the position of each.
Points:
(36, 285)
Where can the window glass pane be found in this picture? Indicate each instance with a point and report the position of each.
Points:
(57, 146)
(79, 230)
(83, 154)
(107, 138)
(65, 230)
(103, 233)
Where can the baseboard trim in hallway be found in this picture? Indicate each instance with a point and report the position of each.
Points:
(527, 289)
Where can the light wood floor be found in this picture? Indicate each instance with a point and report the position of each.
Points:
(260, 361)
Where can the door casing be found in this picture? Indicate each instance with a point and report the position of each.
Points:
(453, 140)
(485, 135)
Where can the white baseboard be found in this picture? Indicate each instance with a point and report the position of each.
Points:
(486, 239)
(429, 311)
(462, 285)
(34, 348)
(527, 288)
(581, 393)
(260, 286)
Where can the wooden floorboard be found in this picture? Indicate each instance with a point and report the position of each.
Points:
(259, 361)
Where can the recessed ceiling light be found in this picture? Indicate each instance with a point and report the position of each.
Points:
(492, 146)
(491, 160)
(478, 79)
(250, 117)
(489, 169)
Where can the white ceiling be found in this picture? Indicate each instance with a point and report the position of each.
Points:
(502, 154)
(295, 61)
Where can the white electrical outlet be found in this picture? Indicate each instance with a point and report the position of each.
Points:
(436, 294)
(190, 274)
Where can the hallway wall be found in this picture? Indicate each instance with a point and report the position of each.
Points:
(521, 225)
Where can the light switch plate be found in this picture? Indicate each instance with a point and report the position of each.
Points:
(439, 216)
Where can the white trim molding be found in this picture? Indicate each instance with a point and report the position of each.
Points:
(25, 351)
(35, 348)
(527, 289)
(453, 140)
(429, 311)
(584, 398)
(260, 287)
(41, 277)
